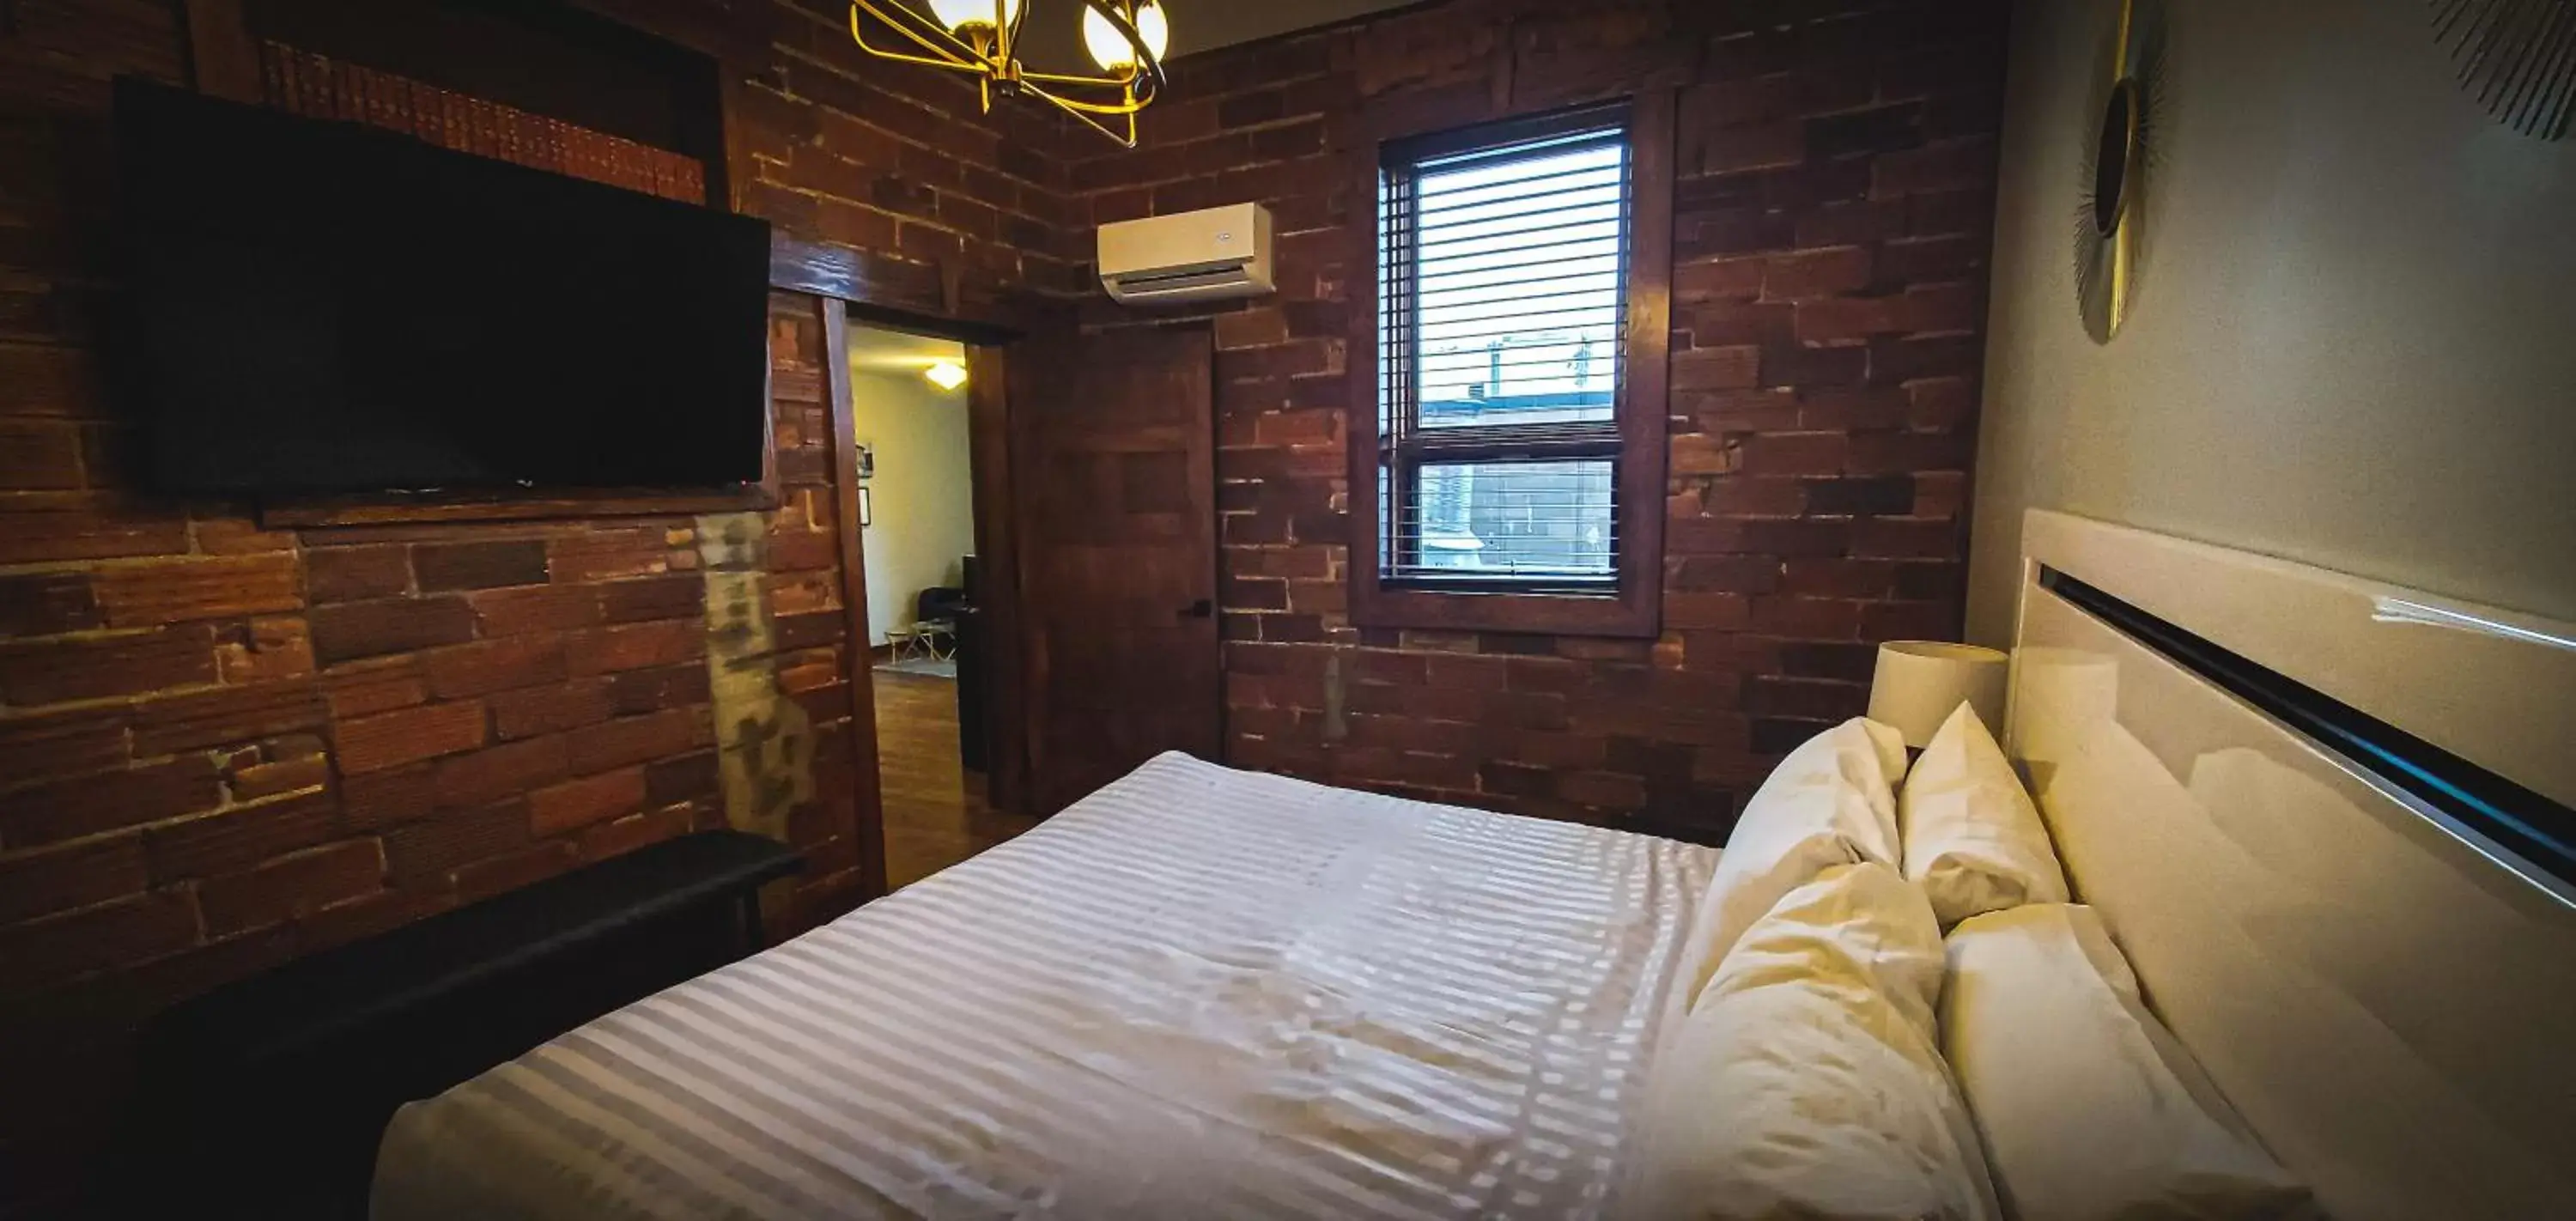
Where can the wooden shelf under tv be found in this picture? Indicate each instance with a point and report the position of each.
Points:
(409, 510)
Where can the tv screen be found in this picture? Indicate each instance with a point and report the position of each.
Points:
(320, 307)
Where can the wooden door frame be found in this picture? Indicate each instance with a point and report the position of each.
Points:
(996, 539)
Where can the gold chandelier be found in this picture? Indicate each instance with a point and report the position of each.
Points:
(1126, 38)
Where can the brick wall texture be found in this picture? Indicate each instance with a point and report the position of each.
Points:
(222, 746)
(1831, 214)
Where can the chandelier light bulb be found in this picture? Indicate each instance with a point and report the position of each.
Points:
(1111, 50)
(981, 39)
(960, 15)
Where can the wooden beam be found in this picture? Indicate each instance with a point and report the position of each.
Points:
(997, 568)
(856, 653)
(850, 274)
(223, 55)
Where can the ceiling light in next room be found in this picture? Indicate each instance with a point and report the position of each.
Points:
(947, 374)
(982, 38)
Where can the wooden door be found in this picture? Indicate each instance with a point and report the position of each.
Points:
(1113, 452)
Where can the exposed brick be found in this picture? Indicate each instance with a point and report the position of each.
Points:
(1829, 106)
(133, 930)
(87, 535)
(226, 716)
(508, 612)
(625, 835)
(372, 744)
(1713, 279)
(1605, 789)
(44, 746)
(39, 454)
(235, 839)
(46, 603)
(74, 875)
(673, 597)
(1956, 165)
(1891, 453)
(1830, 319)
(433, 847)
(1905, 538)
(1795, 453)
(687, 778)
(1729, 368)
(51, 672)
(1918, 261)
(526, 867)
(488, 666)
(238, 536)
(606, 555)
(454, 566)
(370, 629)
(568, 807)
(351, 574)
(789, 550)
(638, 691)
(638, 739)
(280, 776)
(178, 590)
(508, 770)
(292, 887)
(635, 646)
(1700, 454)
(552, 709)
(1816, 273)
(67, 809)
(378, 800)
(269, 649)
(365, 692)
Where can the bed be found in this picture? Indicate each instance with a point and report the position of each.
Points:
(1198, 992)
(1210, 993)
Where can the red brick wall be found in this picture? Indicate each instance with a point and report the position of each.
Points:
(222, 746)
(1832, 220)
(898, 161)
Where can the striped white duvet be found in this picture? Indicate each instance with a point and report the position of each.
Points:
(1197, 993)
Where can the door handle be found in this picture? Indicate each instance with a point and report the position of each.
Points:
(1201, 609)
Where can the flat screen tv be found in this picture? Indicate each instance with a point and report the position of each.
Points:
(319, 307)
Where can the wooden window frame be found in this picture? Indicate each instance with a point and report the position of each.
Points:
(1635, 609)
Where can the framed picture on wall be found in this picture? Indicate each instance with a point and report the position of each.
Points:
(867, 511)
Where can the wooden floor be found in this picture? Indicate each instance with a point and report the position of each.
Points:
(935, 814)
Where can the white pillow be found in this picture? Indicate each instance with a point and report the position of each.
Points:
(1831, 802)
(1973, 841)
(2089, 1106)
(1806, 1083)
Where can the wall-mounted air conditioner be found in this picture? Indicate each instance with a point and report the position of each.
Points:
(1195, 256)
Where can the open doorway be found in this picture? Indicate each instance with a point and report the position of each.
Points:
(932, 653)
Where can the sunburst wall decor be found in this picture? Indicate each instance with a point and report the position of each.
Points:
(2516, 57)
(2110, 222)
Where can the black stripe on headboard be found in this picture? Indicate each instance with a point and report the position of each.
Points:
(2525, 823)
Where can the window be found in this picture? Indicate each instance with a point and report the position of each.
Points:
(1513, 471)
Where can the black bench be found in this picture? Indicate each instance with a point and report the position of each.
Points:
(267, 1097)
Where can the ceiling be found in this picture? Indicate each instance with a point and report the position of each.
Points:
(876, 351)
(1054, 26)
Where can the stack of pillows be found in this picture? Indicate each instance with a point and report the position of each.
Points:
(1824, 1053)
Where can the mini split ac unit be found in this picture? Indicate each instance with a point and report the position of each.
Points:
(1195, 256)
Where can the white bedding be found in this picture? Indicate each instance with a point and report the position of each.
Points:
(1197, 993)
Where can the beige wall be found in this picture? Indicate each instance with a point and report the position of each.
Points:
(2354, 343)
(921, 501)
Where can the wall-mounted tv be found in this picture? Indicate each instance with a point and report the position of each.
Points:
(318, 307)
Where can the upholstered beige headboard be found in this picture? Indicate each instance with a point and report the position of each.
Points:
(2375, 960)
